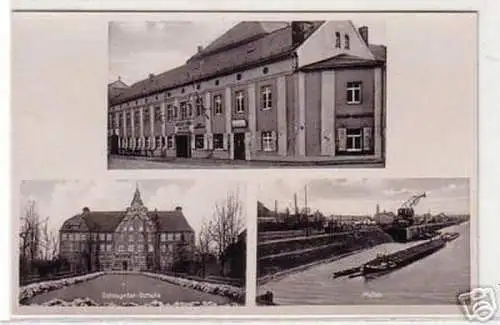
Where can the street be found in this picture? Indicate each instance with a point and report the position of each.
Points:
(126, 288)
(145, 163)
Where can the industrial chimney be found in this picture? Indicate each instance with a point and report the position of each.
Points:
(363, 31)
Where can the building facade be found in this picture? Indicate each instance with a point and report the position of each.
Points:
(277, 91)
(134, 239)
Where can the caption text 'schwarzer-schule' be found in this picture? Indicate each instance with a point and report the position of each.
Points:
(267, 91)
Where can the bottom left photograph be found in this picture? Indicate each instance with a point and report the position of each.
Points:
(132, 243)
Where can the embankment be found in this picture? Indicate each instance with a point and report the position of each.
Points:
(282, 255)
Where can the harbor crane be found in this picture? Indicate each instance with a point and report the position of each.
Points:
(406, 212)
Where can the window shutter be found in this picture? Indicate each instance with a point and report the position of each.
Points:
(225, 140)
(367, 138)
(342, 139)
(258, 141)
(274, 142)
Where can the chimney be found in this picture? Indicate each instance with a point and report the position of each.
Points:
(178, 209)
(85, 210)
(363, 31)
(200, 48)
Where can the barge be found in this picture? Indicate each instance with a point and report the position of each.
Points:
(387, 263)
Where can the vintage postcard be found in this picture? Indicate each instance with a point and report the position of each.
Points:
(131, 243)
(245, 164)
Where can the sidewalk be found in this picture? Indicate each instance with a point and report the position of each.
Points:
(286, 162)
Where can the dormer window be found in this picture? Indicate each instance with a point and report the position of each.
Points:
(347, 44)
(337, 40)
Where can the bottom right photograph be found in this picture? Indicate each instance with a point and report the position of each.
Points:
(363, 241)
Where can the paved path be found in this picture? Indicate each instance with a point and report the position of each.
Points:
(128, 163)
(140, 289)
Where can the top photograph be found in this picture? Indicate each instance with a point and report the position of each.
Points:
(246, 94)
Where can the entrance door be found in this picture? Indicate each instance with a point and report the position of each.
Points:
(183, 146)
(239, 146)
(124, 265)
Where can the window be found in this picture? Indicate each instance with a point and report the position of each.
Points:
(183, 90)
(109, 237)
(266, 97)
(337, 40)
(158, 114)
(354, 140)
(130, 228)
(199, 141)
(347, 44)
(122, 237)
(238, 76)
(131, 238)
(267, 141)
(240, 102)
(131, 248)
(129, 118)
(163, 248)
(218, 141)
(183, 110)
(64, 236)
(145, 115)
(163, 237)
(158, 142)
(94, 236)
(170, 142)
(108, 247)
(150, 248)
(216, 82)
(199, 106)
(141, 228)
(218, 104)
(140, 238)
(102, 236)
(102, 247)
(177, 236)
(170, 236)
(265, 70)
(170, 112)
(83, 236)
(121, 248)
(354, 92)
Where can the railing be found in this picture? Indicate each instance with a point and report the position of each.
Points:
(209, 279)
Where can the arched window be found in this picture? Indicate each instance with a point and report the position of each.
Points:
(347, 44)
(337, 40)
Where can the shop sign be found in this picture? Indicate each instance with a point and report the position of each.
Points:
(239, 123)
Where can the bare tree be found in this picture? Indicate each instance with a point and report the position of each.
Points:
(204, 241)
(29, 236)
(226, 224)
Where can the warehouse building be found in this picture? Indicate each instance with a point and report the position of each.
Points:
(133, 239)
(276, 91)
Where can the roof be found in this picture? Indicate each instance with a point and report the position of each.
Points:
(95, 221)
(171, 220)
(346, 60)
(108, 221)
(259, 43)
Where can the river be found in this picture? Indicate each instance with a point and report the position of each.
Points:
(433, 280)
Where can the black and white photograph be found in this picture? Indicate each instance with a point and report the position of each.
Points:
(244, 94)
(363, 241)
(132, 243)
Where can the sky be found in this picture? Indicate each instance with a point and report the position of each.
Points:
(138, 48)
(360, 196)
(60, 200)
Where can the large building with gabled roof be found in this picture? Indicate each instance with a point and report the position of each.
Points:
(133, 239)
(277, 91)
